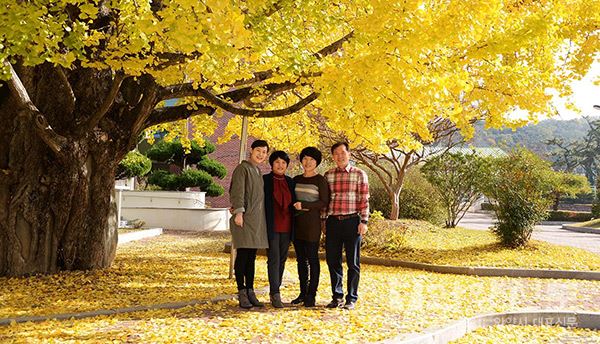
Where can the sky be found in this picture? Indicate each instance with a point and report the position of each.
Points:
(585, 96)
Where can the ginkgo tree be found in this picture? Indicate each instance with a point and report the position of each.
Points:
(81, 79)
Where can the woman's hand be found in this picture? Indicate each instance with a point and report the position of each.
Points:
(239, 219)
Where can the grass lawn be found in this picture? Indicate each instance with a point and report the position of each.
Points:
(427, 243)
(591, 224)
(173, 268)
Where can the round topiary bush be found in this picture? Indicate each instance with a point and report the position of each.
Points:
(134, 164)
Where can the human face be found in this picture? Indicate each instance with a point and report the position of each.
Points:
(258, 155)
(341, 156)
(308, 164)
(279, 166)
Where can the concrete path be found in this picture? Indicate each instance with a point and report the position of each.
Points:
(550, 233)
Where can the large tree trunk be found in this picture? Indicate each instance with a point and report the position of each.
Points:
(56, 216)
(56, 211)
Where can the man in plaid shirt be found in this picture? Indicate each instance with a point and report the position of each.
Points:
(346, 221)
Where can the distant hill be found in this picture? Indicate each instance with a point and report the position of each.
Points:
(532, 137)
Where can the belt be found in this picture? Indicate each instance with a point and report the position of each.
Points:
(344, 217)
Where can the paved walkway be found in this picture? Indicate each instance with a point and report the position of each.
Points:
(550, 233)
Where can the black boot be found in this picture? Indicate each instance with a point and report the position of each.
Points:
(276, 301)
(309, 301)
(253, 300)
(298, 300)
(243, 298)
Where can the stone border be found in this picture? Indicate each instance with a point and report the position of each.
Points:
(138, 235)
(581, 229)
(141, 308)
(90, 314)
(487, 271)
(470, 270)
(458, 329)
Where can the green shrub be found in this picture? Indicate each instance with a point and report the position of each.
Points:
(379, 200)
(187, 179)
(174, 152)
(418, 200)
(164, 179)
(214, 190)
(569, 216)
(201, 176)
(134, 164)
(520, 184)
(384, 236)
(213, 167)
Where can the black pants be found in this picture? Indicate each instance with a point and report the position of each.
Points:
(343, 234)
(276, 257)
(309, 267)
(244, 268)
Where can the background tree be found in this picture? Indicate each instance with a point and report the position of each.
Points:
(197, 169)
(459, 179)
(520, 185)
(391, 166)
(83, 79)
(568, 185)
(534, 136)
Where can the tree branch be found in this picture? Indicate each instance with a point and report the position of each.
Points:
(326, 51)
(175, 113)
(187, 90)
(67, 85)
(106, 104)
(56, 142)
(245, 92)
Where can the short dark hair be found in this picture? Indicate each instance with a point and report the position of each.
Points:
(337, 144)
(279, 155)
(259, 143)
(312, 152)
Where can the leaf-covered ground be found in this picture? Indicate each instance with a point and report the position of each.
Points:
(158, 270)
(427, 243)
(174, 268)
(530, 334)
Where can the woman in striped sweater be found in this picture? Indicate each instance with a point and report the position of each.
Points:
(312, 193)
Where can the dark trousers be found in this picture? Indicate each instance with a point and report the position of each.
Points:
(244, 268)
(343, 234)
(309, 267)
(276, 257)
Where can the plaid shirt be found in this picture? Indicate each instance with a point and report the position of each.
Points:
(349, 192)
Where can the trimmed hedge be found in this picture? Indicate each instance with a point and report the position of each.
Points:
(571, 216)
(174, 152)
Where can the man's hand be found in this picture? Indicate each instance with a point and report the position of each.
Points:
(239, 219)
(298, 205)
(362, 228)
